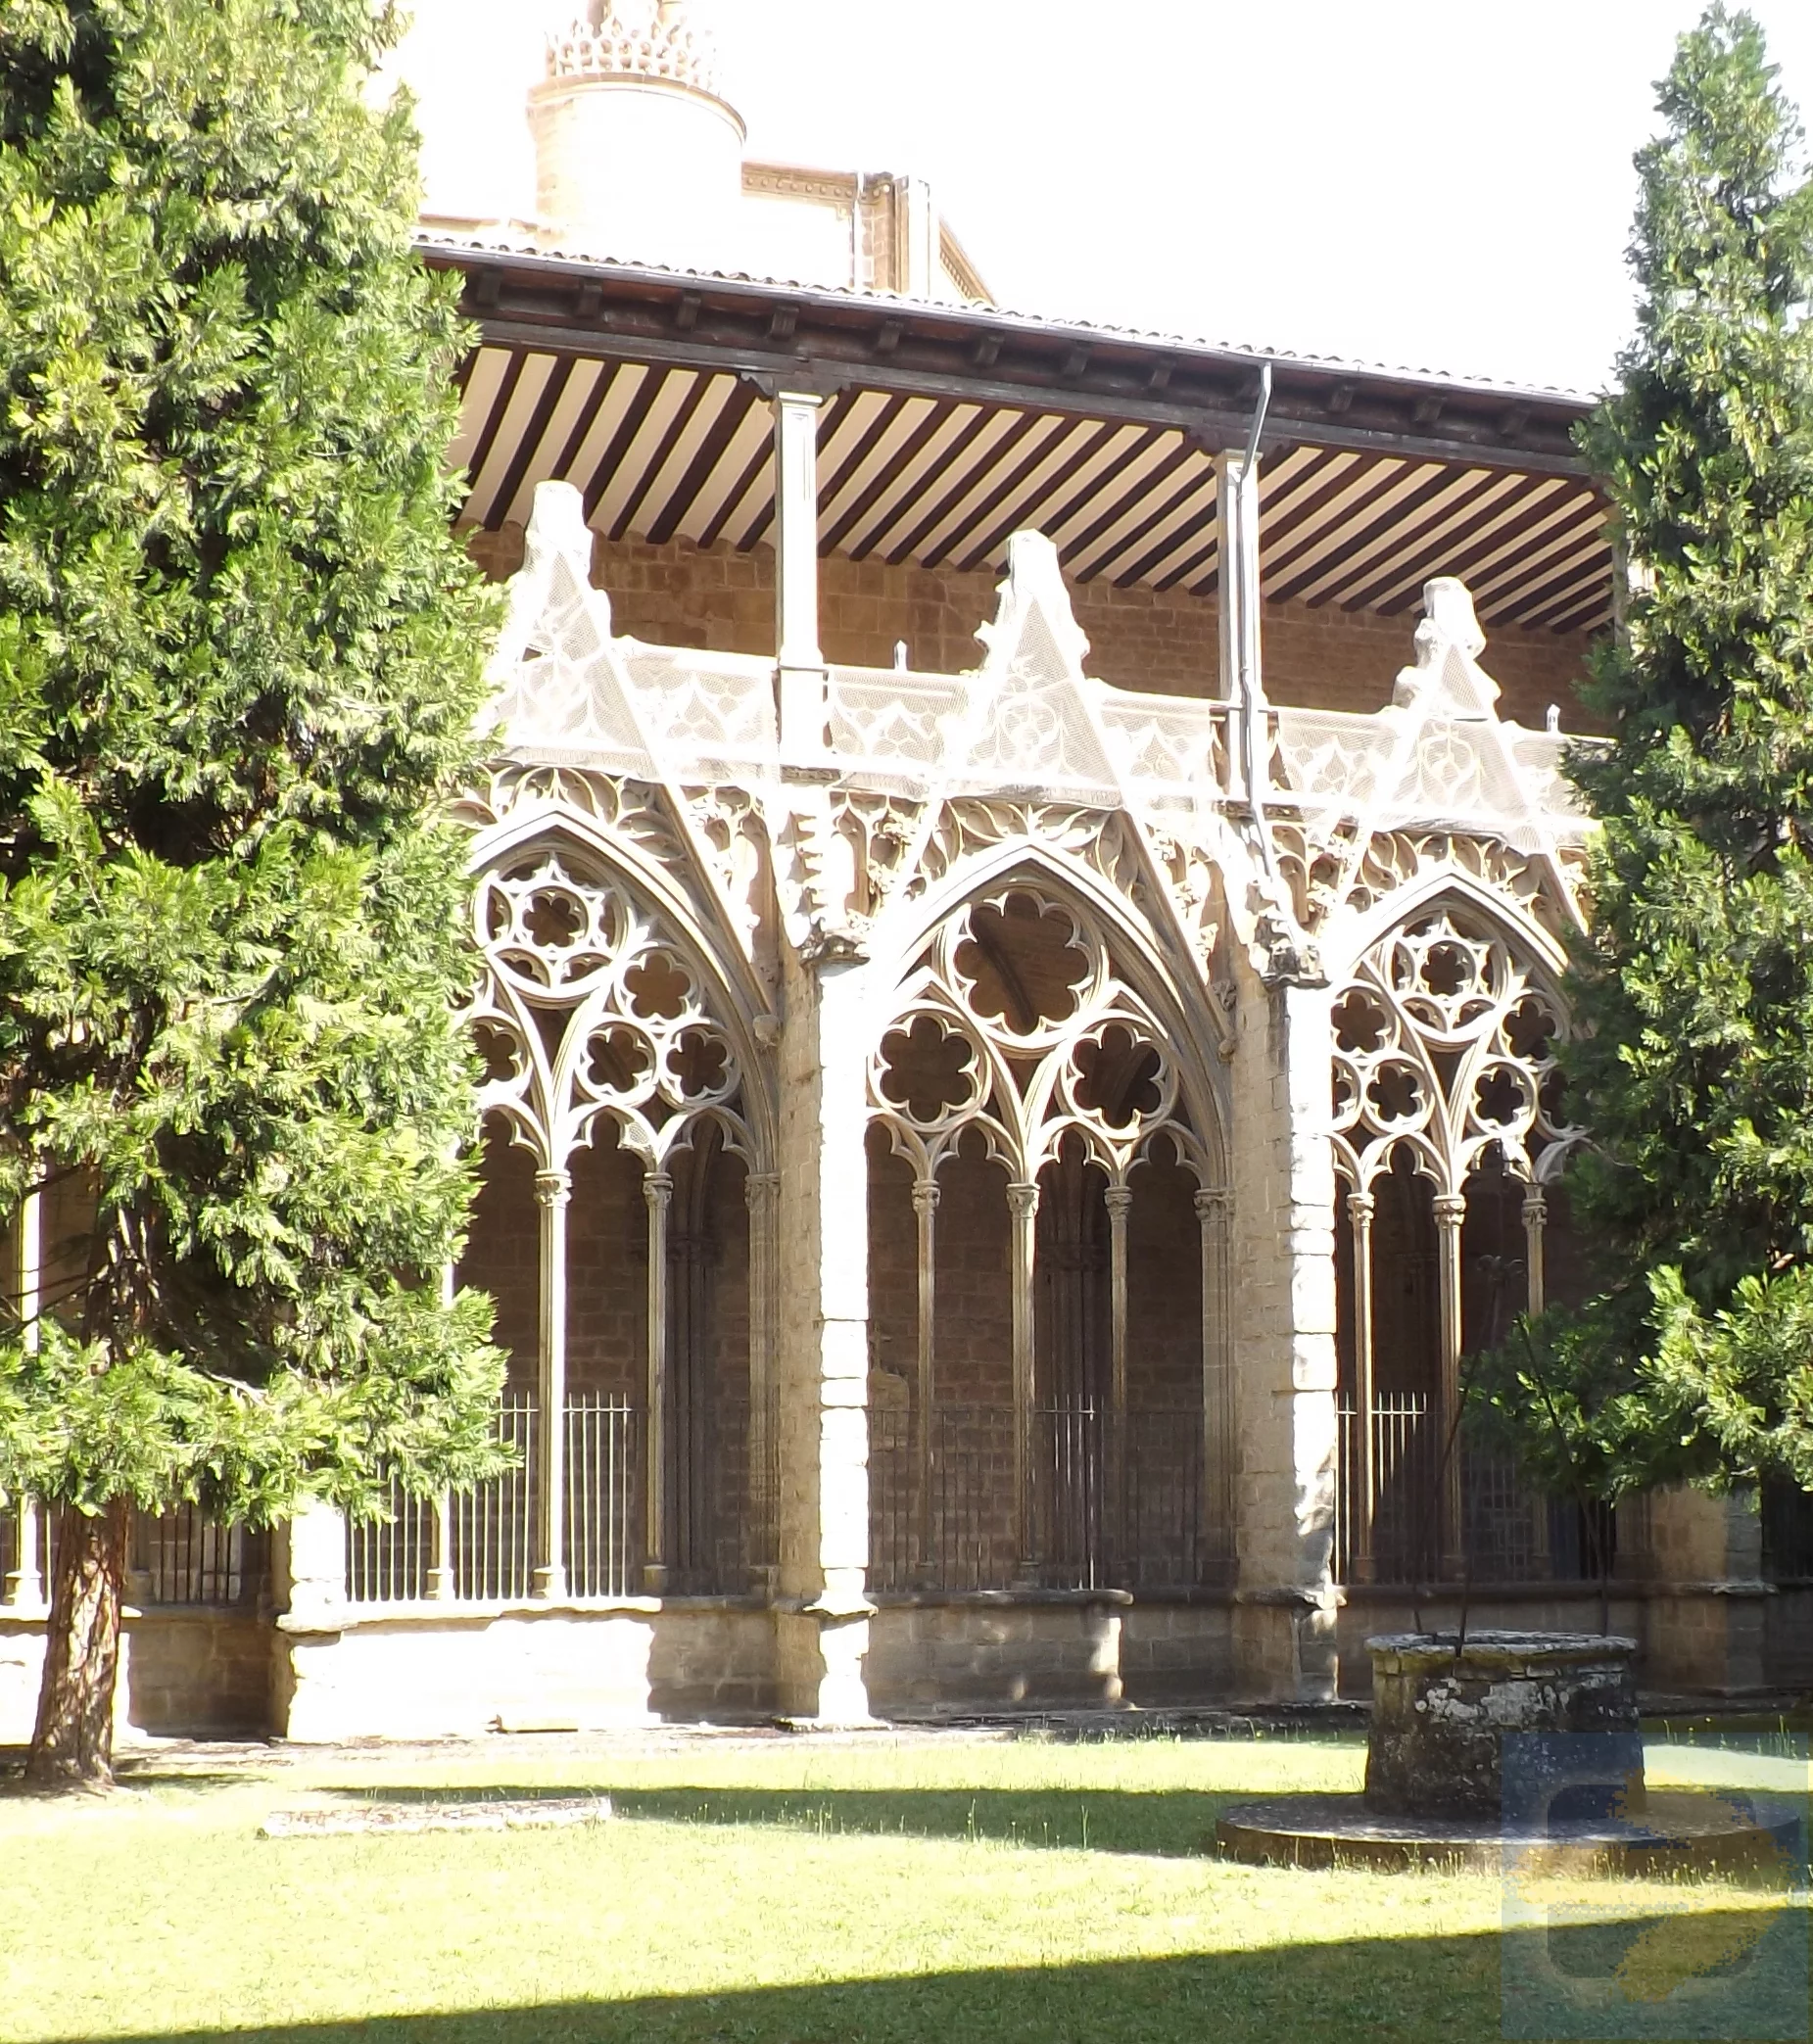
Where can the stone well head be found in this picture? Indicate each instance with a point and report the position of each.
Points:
(1441, 1708)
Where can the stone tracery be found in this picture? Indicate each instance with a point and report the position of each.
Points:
(1016, 1027)
(1443, 1055)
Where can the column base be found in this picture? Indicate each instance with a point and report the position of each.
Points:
(1285, 1648)
(549, 1584)
(655, 1578)
(818, 1666)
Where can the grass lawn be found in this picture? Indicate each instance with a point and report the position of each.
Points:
(792, 1890)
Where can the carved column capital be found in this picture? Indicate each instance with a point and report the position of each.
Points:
(1215, 1203)
(657, 1188)
(1360, 1207)
(925, 1196)
(1449, 1208)
(1023, 1201)
(1119, 1199)
(554, 1188)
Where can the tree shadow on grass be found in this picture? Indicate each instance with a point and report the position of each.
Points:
(1439, 1989)
(1170, 1824)
(134, 1782)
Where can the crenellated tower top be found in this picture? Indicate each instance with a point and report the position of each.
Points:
(637, 153)
(636, 39)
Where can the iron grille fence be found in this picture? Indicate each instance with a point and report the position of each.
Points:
(388, 1560)
(493, 1524)
(1111, 1503)
(184, 1557)
(722, 1536)
(1788, 1531)
(491, 1527)
(604, 1496)
(1509, 1531)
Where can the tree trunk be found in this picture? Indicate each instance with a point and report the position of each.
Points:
(72, 1746)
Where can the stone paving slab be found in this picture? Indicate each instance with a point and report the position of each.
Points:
(399, 1819)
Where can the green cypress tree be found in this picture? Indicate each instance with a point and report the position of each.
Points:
(240, 667)
(1694, 1069)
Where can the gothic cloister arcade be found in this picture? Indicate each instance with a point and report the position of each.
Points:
(1449, 1134)
(1051, 1404)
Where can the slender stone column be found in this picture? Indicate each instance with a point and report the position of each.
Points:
(1119, 1199)
(658, 1192)
(1237, 512)
(1449, 1215)
(1214, 1217)
(1284, 1299)
(1363, 1504)
(760, 1189)
(1022, 1210)
(440, 1581)
(24, 1588)
(799, 661)
(926, 1207)
(553, 1190)
(1535, 1219)
(823, 1629)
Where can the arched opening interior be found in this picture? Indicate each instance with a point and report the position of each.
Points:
(629, 1249)
(1449, 1124)
(1038, 1223)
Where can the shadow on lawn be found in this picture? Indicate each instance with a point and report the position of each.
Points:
(1430, 1989)
(1172, 1823)
(1296, 1991)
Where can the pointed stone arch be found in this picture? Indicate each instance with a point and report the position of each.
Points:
(1445, 1089)
(1026, 1022)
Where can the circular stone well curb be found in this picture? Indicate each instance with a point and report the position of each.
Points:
(1680, 1833)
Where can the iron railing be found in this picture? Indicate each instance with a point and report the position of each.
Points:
(1511, 1533)
(722, 1514)
(1110, 1503)
(185, 1558)
(604, 1496)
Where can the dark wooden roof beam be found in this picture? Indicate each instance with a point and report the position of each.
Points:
(975, 354)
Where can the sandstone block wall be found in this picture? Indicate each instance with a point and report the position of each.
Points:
(994, 1655)
(1177, 1652)
(679, 594)
(183, 1673)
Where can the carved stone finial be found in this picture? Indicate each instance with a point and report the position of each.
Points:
(1448, 680)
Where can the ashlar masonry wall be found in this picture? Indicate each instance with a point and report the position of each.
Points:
(722, 600)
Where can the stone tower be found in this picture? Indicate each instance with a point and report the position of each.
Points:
(637, 153)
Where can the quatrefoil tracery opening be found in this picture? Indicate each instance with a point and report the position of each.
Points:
(929, 1072)
(1016, 1026)
(1444, 1042)
(592, 1010)
(1115, 1078)
(1024, 964)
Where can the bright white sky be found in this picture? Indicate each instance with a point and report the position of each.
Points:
(1425, 184)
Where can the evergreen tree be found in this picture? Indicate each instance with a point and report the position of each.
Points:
(240, 665)
(1693, 1064)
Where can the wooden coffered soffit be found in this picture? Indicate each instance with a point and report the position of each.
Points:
(946, 429)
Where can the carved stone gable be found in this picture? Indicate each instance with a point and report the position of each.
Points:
(562, 690)
(1031, 723)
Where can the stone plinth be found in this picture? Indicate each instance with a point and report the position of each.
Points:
(1441, 1710)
